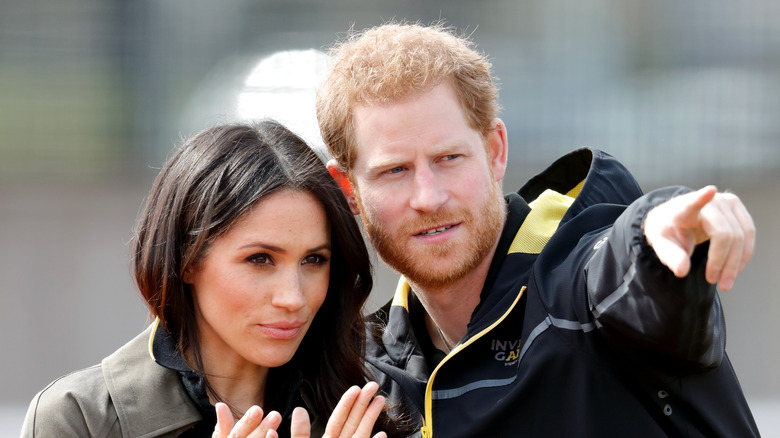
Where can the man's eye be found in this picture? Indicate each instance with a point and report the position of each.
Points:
(396, 169)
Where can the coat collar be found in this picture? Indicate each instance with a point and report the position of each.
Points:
(590, 176)
(149, 399)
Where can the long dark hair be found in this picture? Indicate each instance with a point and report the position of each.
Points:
(203, 188)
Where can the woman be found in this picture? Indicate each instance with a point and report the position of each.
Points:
(252, 264)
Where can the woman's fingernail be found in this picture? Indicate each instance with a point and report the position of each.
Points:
(274, 417)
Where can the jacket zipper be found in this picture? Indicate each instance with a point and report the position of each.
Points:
(427, 429)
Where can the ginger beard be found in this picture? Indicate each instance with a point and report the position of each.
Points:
(419, 264)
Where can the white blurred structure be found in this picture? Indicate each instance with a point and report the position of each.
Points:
(283, 87)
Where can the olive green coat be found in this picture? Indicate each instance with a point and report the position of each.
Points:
(127, 395)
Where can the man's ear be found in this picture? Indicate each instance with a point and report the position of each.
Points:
(498, 148)
(344, 185)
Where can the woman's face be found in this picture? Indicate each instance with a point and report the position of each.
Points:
(258, 287)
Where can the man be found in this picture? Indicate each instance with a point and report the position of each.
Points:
(575, 307)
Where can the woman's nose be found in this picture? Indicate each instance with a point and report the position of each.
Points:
(287, 292)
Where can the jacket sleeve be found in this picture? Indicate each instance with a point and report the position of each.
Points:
(642, 307)
(77, 405)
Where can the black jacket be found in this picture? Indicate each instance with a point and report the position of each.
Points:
(580, 330)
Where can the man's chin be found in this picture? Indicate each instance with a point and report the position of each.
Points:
(431, 270)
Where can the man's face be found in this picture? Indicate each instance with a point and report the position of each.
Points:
(427, 191)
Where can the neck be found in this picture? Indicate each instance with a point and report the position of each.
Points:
(449, 307)
(238, 383)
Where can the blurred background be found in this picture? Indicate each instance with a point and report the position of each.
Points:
(94, 94)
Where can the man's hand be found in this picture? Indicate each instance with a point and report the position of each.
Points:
(674, 228)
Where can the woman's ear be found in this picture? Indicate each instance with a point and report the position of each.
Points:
(344, 184)
(186, 276)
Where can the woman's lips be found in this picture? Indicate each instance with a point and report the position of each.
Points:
(281, 330)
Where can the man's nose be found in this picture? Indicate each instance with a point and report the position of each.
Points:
(428, 191)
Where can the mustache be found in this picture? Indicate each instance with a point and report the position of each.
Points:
(435, 220)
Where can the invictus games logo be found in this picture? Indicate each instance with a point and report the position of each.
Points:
(507, 352)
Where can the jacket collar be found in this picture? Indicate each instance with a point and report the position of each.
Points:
(165, 352)
(149, 399)
(590, 176)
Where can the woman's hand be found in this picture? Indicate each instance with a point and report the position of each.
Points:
(251, 425)
(355, 414)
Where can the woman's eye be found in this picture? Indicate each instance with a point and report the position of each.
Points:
(315, 259)
(259, 259)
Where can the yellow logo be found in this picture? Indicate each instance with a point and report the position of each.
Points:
(506, 351)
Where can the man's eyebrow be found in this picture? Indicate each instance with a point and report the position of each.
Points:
(384, 162)
(392, 161)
